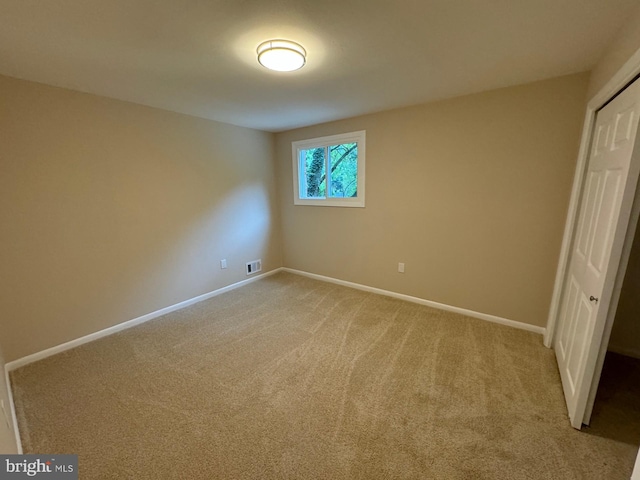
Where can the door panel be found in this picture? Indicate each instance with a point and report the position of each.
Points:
(578, 344)
(592, 193)
(623, 130)
(605, 221)
(567, 326)
(609, 188)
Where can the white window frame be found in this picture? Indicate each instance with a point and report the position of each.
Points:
(352, 137)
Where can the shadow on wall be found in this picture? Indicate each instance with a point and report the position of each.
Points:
(238, 228)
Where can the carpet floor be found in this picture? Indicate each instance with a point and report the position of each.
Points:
(616, 413)
(290, 377)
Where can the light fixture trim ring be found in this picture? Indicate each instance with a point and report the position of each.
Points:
(279, 45)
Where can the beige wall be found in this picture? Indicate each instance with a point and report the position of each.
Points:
(7, 435)
(621, 48)
(110, 210)
(625, 336)
(470, 193)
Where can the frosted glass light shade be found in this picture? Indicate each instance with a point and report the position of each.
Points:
(281, 55)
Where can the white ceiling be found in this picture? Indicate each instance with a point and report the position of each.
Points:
(198, 56)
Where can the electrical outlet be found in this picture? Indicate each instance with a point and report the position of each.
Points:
(401, 267)
(223, 263)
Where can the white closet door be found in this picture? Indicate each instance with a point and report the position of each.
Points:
(604, 214)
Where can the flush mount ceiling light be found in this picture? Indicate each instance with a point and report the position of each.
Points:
(281, 55)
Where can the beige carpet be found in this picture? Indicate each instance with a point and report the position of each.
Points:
(294, 378)
(616, 413)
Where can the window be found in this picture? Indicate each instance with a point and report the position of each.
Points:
(329, 171)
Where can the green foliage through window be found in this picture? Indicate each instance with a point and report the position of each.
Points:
(342, 178)
(330, 171)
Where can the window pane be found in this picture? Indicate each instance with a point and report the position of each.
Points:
(344, 170)
(314, 170)
(329, 171)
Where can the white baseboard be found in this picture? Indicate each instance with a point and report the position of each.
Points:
(12, 407)
(421, 301)
(128, 324)
(627, 352)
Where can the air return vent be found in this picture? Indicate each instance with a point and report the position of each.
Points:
(254, 266)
